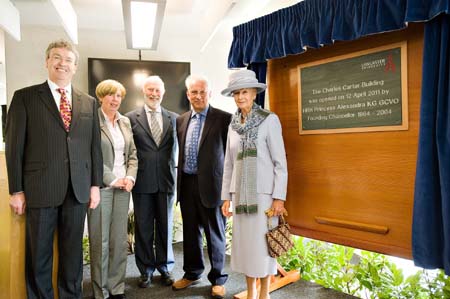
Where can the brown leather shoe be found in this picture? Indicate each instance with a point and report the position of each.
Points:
(183, 283)
(218, 291)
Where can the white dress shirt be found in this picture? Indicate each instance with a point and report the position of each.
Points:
(119, 169)
(57, 96)
(157, 114)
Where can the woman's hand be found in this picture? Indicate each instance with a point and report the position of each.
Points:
(119, 184)
(226, 208)
(277, 208)
(129, 184)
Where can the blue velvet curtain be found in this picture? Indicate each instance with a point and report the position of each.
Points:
(260, 70)
(431, 221)
(313, 23)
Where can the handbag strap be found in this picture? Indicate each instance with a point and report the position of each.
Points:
(280, 221)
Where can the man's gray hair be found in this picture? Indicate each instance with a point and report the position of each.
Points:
(191, 79)
(154, 79)
(61, 43)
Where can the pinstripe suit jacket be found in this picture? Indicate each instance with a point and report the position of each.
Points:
(42, 158)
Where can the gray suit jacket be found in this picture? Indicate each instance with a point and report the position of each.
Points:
(157, 164)
(42, 158)
(271, 165)
(130, 155)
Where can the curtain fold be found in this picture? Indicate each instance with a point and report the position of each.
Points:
(260, 70)
(431, 216)
(312, 23)
(425, 10)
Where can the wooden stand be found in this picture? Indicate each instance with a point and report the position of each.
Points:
(280, 280)
(12, 245)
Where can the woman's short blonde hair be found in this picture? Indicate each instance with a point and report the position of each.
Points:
(108, 87)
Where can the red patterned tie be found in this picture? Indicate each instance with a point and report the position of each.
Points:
(64, 109)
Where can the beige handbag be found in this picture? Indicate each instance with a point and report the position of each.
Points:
(279, 239)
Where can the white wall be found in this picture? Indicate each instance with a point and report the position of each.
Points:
(26, 59)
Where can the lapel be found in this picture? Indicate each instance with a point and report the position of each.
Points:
(166, 124)
(183, 129)
(103, 127)
(76, 108)
(46, 96)
(209, 121)
(126, 137)
(123, 129)
(141, 118)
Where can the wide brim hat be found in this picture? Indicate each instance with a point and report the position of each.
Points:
(243, 79)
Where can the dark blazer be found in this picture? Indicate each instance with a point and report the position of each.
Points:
(42, 156)
(157, 164)
(211, 154)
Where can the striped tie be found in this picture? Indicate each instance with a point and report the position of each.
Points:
(64, 109)
(192, 149)
(156, 129)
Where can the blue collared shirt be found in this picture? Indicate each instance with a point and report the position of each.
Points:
(189, 133)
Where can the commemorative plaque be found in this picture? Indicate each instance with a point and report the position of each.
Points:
(359, 92)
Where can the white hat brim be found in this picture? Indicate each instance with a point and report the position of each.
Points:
(228, 92)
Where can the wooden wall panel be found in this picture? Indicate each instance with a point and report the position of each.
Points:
(12, 245)
(360, 179)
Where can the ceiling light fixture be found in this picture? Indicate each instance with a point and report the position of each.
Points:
(143, 20)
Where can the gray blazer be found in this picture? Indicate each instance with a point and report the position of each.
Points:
(131, 162)
(271, 177)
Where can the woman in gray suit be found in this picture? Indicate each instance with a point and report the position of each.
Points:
(254, 179)
(108, 222)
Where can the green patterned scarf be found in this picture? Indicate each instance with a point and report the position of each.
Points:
(245, 164)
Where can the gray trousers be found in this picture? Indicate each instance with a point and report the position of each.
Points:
(108, 242)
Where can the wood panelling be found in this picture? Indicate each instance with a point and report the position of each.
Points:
(355, 189)
(12, 245)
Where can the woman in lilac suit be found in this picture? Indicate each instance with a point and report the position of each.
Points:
(254, 179)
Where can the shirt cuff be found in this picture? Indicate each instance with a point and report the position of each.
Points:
(113, 182)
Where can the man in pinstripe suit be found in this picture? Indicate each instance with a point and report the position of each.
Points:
(54, 170)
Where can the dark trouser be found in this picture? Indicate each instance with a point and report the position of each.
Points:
(41, 223)
(153, 217)
(197, 218)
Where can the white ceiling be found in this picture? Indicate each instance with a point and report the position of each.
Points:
(196, 19)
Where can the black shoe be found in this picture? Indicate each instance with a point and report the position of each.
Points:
(118, 296)
(145, 281)
(167, 278)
